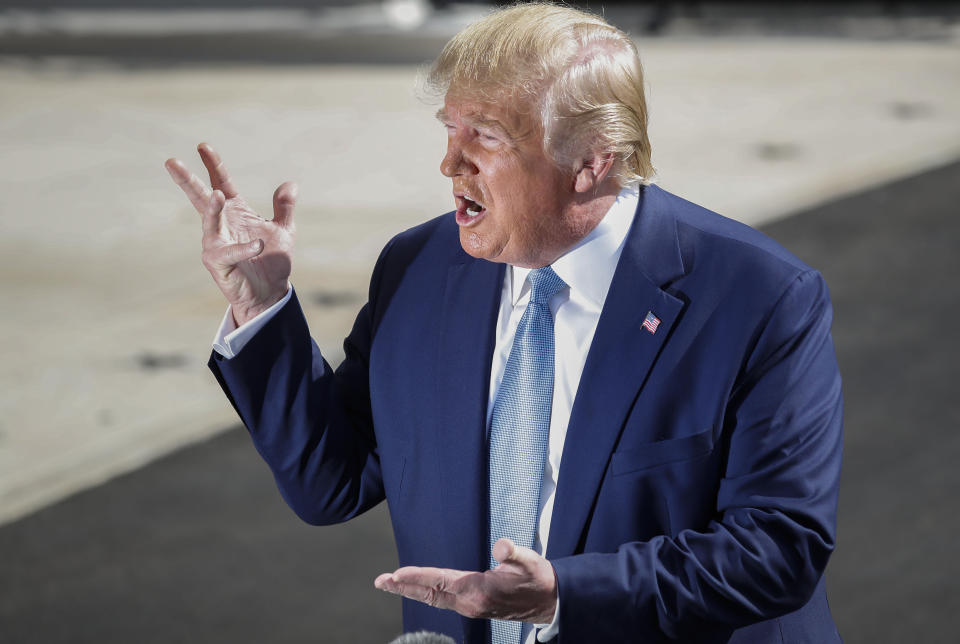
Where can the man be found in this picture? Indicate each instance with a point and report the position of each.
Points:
(597, 412)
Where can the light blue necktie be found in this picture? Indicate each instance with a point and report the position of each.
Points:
(520, 429)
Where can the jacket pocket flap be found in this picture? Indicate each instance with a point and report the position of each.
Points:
(661, 453)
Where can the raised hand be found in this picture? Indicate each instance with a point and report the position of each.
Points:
(250, 258)
(522, 588)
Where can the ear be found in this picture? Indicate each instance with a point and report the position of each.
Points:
(592, 172)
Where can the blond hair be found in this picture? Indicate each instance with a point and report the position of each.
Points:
(579, 72)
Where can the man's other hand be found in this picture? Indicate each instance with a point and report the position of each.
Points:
(522, 588)
(249, 257)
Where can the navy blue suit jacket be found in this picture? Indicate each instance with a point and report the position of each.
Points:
(697, 493)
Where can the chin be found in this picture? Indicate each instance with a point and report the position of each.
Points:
(472, 244)
(475, 245)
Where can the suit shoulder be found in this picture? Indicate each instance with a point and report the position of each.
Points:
(709, 241)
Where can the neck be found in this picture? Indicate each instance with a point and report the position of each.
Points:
(585, 211)
(576, 220)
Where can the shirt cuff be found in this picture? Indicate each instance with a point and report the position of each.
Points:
(230, 338)
(546, 632)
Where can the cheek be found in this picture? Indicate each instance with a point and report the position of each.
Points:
(502, 177)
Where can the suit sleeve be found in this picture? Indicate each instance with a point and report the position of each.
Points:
(312, 426)
(765, 551)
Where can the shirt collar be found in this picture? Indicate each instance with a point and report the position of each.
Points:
(588, 267)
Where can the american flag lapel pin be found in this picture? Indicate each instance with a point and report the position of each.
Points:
(651, 322)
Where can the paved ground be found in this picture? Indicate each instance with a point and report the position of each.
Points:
(105, 345)
(889, 257)
(198, 547)
(99, 250)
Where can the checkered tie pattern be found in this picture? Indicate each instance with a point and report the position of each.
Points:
(520, 429)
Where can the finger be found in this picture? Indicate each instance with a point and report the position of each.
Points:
(197, 192)
(383, 581)
(464, 592)
(229, 256)
(504, 550)
(427, 576)
(219, 178)
(284, 199)
(434, 595)
(428, 596)
(414, 579)
(391, 584)
(211, 215)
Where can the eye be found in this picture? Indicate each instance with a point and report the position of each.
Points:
(488, 137)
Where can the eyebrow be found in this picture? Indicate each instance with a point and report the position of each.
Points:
(478, 120)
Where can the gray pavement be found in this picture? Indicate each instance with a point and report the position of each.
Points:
(889, 257)
(198, 546)
(99, 250)
(140, 33)
(103, 351)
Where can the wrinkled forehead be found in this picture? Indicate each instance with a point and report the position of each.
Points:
(515, 114)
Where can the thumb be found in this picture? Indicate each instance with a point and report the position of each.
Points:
(505, 550)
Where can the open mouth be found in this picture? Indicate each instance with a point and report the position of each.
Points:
(468, 210)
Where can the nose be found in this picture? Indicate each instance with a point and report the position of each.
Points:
(454, 162)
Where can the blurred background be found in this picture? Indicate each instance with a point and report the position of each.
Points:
(132, 506)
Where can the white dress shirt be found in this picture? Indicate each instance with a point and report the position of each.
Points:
(587, 269)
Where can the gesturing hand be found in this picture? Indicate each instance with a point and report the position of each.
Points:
(249, 257)
(522, 588)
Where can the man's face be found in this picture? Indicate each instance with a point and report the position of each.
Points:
(511, 199)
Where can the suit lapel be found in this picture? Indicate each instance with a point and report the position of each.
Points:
(618, 363)
(470, 302)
